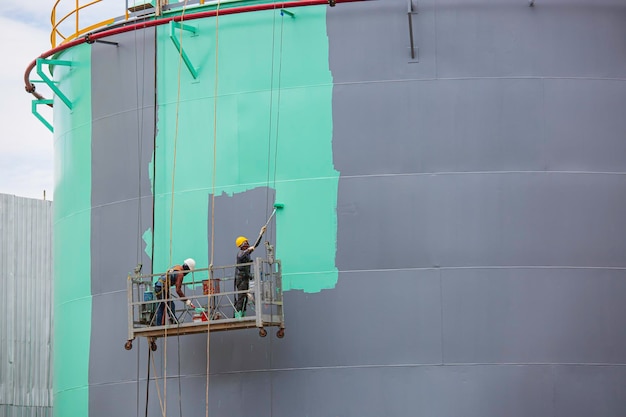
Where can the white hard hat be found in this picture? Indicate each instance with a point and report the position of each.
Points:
(190, 263)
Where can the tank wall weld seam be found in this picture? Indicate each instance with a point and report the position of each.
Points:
(126, 200)
(86, 297)
(421, 365)
(307, 273)
(72, 214)
(244, 92)
(409, 174)
(119, 113)
(434, 268)
(100, 294)
(225, 188)
(236, 187)
(521, 77)
(323, 368)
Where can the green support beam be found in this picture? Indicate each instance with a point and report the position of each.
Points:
(50, 82)
(181, 51)
(42, 119)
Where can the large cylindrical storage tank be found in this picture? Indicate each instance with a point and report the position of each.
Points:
(453, 240)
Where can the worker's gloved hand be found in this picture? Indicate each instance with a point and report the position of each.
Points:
(188, 302)
(263, 229)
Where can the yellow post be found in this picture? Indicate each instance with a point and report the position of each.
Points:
(53, 19)
(76, 11)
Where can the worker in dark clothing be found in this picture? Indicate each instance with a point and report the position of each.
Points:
(172, 278)
(242, 272)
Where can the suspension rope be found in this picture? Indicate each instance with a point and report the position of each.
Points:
(208, 322)
(139, 136)
(137, 384)
(140, 120)
(280, 70)
(280, 66)
(139, 155)
(180, 404)
(180, 62)
(269, 146)
(167, 311)
(147, 380)
(156, 382)
(269, 130)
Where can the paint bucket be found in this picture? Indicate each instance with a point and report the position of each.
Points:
(147, 308)
(199, 315)
(211, 286)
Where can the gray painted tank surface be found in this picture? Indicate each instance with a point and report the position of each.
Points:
(481, 241)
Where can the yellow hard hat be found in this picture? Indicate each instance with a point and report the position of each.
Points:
(240, 241)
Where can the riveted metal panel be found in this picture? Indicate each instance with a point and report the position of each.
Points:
(25, 306)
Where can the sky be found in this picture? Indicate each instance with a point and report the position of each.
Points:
(26, 145)
(26, 156)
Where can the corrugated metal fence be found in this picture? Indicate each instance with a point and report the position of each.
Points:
(25, 307)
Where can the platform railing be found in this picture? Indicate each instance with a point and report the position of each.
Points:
(83, 15)
(71, 19)
(57, 18)
(213, 294)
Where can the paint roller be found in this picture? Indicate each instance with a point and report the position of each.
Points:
(277, 206)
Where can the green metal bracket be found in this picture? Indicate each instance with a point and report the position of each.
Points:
(42, 119)
(287, 12)
(40, 81)
(181, 51)
(52, 84)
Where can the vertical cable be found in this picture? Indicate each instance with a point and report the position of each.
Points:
(280, 66)
(137, 385)
(139, 165)
(269, 130)
(167, 283)
(280, 70)
(208, 333)
(140, 108)
(148, 379)
(180, 404)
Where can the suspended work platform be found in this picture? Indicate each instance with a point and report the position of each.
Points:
(213, 295)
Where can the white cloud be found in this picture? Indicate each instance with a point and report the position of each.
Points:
(34, 13)
(25, 144)
(37, 12)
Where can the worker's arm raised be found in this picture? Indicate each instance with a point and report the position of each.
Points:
(258, 240)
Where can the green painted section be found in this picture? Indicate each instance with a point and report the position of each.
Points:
(301, 130)
(147, 238)
(72, 235)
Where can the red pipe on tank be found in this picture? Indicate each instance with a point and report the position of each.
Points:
(90, 38)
